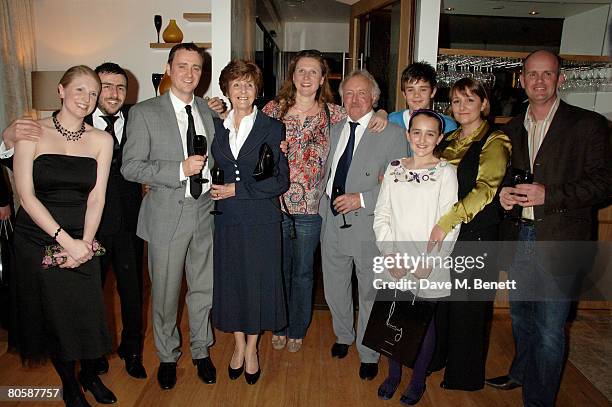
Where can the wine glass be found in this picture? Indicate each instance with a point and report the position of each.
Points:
(217, 179)
(336, 192)
(158, 22)
(518, 176)
(156, 78)
(199, 148)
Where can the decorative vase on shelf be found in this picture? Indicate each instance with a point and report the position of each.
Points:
(165, 84)
(173, 33)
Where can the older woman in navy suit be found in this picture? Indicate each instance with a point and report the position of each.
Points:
(248, 288)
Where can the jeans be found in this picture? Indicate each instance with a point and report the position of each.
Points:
(537, 327)
(298, 274)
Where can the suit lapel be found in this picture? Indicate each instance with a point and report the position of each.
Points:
(360, 153)
(124, 111)
(554, 130)
(222, 140)
(254, 138)
(334, 137)
(168, 116)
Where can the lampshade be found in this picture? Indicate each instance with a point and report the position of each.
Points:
(44, 90)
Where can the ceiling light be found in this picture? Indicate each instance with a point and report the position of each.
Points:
(449, 9)
(533, 13)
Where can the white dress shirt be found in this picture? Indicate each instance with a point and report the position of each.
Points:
(238, 137)
(182, 121)
(100, 123)
(342, 142)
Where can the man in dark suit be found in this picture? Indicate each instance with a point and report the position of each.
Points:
(567, 150)
(117, 230)
(357, 158)
(175, 215)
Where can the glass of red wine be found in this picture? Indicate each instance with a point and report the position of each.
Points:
(157, 20)
(217, 179)
(336, 192)
(518, 176)
(156, 78)
(200, 148)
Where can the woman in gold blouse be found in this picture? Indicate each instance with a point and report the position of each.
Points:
(481, 155)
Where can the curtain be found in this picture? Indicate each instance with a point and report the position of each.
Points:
(17, 59)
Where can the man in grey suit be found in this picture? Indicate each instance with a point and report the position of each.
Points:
(357, 159)
(174, 217)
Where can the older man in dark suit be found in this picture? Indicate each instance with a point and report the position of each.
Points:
(567, 150)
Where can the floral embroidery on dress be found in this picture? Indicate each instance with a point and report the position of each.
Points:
(403, 174)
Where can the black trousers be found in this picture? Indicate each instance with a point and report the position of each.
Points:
(124, 251)
(463, 322)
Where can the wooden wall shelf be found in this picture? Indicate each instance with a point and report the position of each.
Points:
(168, 45)
(197, 17)
(518, 54)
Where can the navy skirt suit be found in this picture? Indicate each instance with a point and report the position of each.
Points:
(248, 289)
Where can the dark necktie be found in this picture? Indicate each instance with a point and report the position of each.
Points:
(195, 188)
(344, 163)
(110, 125)
(110, 129)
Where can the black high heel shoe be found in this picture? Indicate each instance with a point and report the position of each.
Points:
(235, 373)
(251, 378)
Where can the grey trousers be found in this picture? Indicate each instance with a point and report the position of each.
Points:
(191, 250)
(337, 272)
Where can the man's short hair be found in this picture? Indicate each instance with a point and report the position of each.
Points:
(369, 77)
(188, 46)
(555, 55)
(418, 71)
(112, 68)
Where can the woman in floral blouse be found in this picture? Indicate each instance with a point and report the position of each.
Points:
(305, 105)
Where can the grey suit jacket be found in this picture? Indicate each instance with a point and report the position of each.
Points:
(152, 155)
(370, 160)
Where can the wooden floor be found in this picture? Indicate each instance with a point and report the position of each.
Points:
(308, 378)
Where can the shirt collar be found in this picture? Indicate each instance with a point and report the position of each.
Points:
(364, 120)
(178, 104)
(228, 123)
(98, 113)
(529, 120)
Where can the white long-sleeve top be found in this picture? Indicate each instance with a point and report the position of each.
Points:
(409, 204)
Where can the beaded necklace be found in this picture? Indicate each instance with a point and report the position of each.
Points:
(69, 135)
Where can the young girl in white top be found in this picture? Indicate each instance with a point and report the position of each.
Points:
(414, 193)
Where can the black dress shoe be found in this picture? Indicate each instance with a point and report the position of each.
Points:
(368, 371)
(75, 399)
(251, 378)
(133, 364)
(339, 350)
(101, 393)
(206, 370)
(101, 365)
(166, 375)
(503, 383)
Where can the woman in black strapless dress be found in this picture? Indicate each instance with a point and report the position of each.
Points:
(61, 181)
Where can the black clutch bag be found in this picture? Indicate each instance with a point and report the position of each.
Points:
(265, 163)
